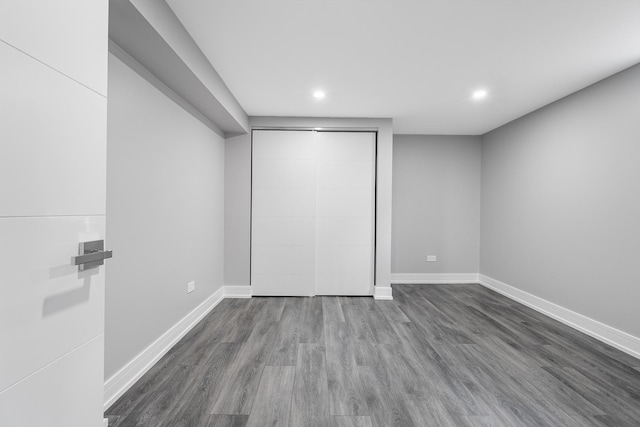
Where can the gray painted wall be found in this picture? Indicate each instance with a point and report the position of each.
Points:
(561, 202)
(436, 204)
(165, 196)
(237, 211)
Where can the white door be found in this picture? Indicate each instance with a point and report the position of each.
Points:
(345, 213)
(312, 213)
(52, 196)
(283, 211)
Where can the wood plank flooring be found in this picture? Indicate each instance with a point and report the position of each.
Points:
(437, 355)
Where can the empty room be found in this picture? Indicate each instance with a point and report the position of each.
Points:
(340, 213)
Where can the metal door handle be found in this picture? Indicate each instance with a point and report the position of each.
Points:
(91, 257)
(92, 254)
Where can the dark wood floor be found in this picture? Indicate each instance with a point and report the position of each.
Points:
(437, 355)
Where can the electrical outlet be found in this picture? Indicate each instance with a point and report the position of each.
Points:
(431, 258)
(191, 286)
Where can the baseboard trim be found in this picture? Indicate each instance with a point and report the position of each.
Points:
(122, 380)
(433, 278)
(382, 293)
(237, 291)
(605, 333)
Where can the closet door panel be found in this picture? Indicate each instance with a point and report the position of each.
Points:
(283, 259)
(346, 147)
(312, 213)
(283, 231)
(282, 284)
(343, 231)
(343, 284)
(277, 173)
(345, 213)
(354, 261)
(275, 144)
(283, 213)
(346, 175)
(344, 203)
(284, 202)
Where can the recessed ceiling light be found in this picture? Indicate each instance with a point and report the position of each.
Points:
(479, 94)
(318, 94)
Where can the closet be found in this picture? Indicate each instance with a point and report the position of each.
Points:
(312, 212)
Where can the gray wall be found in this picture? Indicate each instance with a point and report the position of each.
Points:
(165, 196)
(561, 202)
(436, 204)
(237, 211)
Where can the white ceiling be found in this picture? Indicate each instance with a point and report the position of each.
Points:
(416, 61)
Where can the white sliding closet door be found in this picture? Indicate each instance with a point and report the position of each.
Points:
(312, 213)
(283, 210)
(345, 213)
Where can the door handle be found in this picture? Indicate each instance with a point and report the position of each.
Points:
(92, 254)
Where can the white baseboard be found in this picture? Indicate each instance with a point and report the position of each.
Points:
(433, 278)
(607, 334)
(237, 291)
(122, 380)
(382, 293)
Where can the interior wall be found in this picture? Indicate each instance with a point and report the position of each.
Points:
(165, 198)
(561, 205)
(237, 211)
(436, 204)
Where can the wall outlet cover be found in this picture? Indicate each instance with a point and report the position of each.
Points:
(191, 286)
(431, 258)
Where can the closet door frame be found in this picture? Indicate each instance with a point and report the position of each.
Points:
(375, 191)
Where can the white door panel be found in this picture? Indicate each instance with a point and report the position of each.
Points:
(348, 259)
(284, 231)
(293, 173)
(283, 213)
(283, 202)
(274, 259)
(53, 139)
(52, 196)
(68, 35)
(343, 231)
(344, 174)
(299, 285)
(346, 146)
(312, 213)
(47, 306)
(341, 284)
(334, 202)
(283, 145)
(345, 198)
(61, 394)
